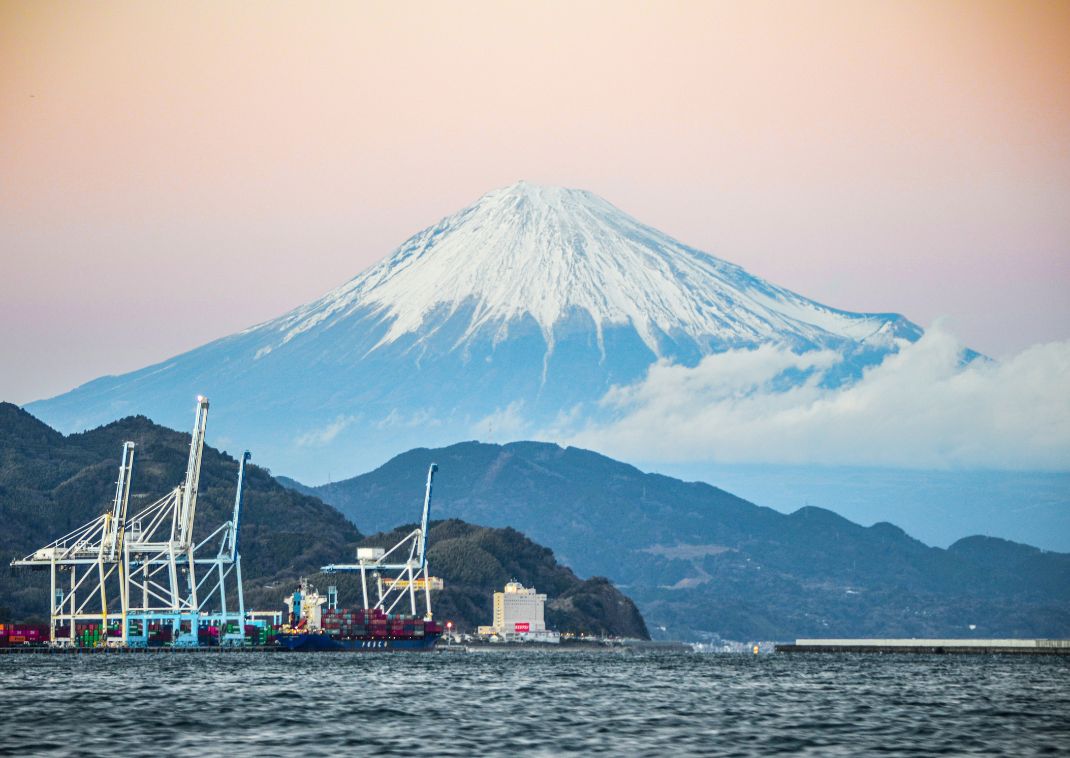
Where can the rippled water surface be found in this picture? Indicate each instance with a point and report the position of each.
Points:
(530, 702)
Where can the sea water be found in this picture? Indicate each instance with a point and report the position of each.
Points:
(538, 703)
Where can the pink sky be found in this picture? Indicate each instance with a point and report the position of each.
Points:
(171, 173)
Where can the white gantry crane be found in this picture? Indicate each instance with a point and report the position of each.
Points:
(131, 571)
(395, 575)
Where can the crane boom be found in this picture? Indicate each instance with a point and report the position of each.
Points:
(236, 521)
(421, 550)
(122, 498)
(188, 509)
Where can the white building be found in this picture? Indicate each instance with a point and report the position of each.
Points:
(518, 615)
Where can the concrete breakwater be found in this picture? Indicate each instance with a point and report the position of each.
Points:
(928, 646)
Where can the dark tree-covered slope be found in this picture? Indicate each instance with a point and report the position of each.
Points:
(475, 561)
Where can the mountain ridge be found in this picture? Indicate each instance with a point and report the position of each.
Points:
(701, 562)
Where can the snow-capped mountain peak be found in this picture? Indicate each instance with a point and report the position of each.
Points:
(550, 252)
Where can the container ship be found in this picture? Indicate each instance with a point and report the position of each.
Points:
(313, 628)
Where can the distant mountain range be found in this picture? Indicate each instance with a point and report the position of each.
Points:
(529, 304)
(51, 484)
(701, 562)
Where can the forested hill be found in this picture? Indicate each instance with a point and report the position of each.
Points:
(51, 484)
(475, 561)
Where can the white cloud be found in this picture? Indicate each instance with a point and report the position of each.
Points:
(398, 420)
(326, 434)
(920, 408)
(505, 424)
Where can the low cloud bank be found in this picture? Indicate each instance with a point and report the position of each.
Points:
(920, 408)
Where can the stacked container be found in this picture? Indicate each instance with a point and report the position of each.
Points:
(256, 634)
(363, 623)
(88, 635)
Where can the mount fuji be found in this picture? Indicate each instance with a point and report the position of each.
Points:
(531, 303)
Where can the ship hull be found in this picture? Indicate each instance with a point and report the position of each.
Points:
(313, 643)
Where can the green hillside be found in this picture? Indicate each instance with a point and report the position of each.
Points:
(475, 561)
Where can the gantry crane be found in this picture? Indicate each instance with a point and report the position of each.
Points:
(395, 578)
(148, 568)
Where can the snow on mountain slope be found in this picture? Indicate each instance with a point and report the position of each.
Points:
(541, 251)
(530, 304)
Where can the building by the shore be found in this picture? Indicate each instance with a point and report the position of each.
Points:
(519, 616)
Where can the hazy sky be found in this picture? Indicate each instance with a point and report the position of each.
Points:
(173, 172)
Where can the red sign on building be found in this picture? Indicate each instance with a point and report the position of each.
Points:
(521, 626)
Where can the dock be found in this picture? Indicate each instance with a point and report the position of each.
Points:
(118, 650)
(199, 649)
(929, 646)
